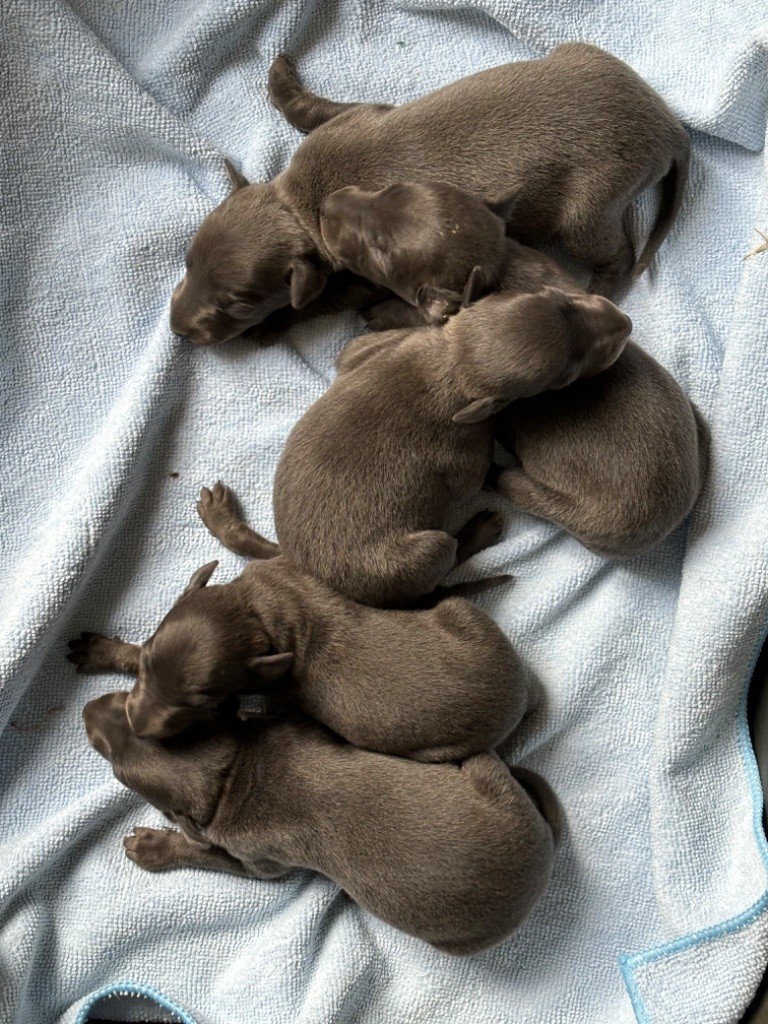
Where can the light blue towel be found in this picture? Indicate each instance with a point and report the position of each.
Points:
(116, 117)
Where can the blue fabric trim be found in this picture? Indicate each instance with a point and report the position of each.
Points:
(629, 963)
(129, 988)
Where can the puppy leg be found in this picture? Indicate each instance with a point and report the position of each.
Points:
(92, 652)
(400, 570)
(300, 107)
(482, 531)
(216, 508)
(469, 589)
(604, 245)
(161, 849)
(526, 494)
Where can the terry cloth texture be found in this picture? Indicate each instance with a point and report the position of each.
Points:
(116, 118)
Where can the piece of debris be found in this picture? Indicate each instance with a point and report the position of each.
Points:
(763, 247)
(174, 475)
(34, 728)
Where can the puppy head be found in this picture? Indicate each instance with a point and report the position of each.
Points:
(207, 648)
(410, 236)
(248, 258)
(509, 348)
(182, 778)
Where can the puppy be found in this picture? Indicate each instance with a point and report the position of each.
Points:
(578, 132)
(434, 685)
(364, 487)
(617, 460)
(410, 237)
(455, 854)
(438, 252)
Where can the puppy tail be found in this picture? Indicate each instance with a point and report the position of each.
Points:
(543, 797)
(672, 191)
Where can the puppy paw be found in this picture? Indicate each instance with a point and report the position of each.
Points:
(92, 652)
(488, 528)
(282, 80)
(154, 849)
(482, 531)
(217, 509)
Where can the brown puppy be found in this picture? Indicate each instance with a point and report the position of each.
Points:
(433, 685)
(578, 131)
(365, 484)
(455, 854)
(617, 460)
(408, 236)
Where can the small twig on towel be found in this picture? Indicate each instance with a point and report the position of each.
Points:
(763, 247)
(40, 724)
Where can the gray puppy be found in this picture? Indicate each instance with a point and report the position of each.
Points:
(578, 132)
(455, 854)
(365, 484)
(617, 460)
(434, 685)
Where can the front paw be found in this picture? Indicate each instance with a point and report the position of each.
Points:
(217, 509)
(92, 652)
(154, 849)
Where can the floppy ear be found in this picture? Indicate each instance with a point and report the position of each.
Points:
(270, 667)
(238, 180)
(475, 286)
(437, 304)
(200, 578)
(505, 205)
(479, 410)
(306, 281)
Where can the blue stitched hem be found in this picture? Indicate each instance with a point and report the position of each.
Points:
(129, 988)
(629, 963)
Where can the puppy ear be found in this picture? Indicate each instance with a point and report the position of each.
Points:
(238, 180)
(479, 410)
(270, 667)
(437, 304)
(505, 205)
(306, 281)
(200, 578)
(475, 286)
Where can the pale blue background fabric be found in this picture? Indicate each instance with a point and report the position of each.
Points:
(116, 117)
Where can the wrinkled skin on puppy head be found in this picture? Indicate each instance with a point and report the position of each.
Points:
(510, 348)
(207, 648)
(248, 258)
(413, 235)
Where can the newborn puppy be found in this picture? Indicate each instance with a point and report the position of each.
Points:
(455, 854)
(364, 487)
(617, 460)
(408, 236)
(433, 685)
(578, 131)
(414, 251)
